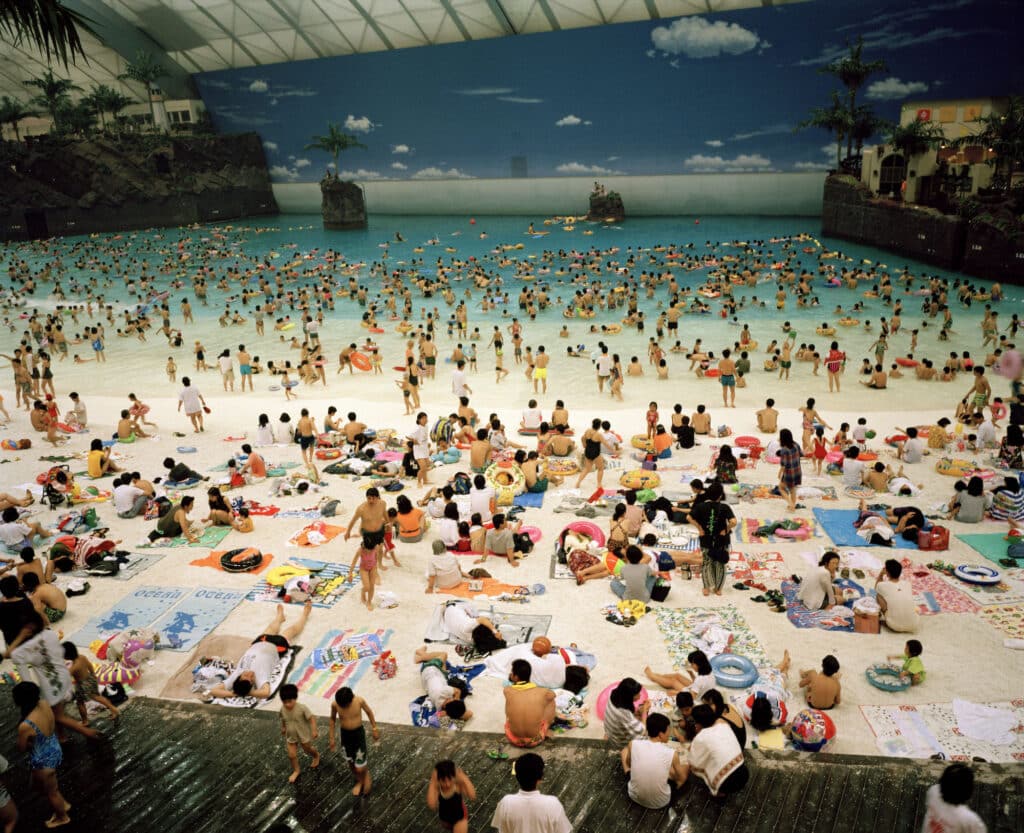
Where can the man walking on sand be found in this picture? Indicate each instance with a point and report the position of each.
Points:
(194, 403)
(540, 369)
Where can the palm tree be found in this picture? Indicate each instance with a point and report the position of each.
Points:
(835, 119)
(852, 72)
(1003, 134)
(334, 143)
(915, 138)
(12, 112)
(104, 99)
(46, 24)
(53, 94)
(77, 118)
(865, 125)
(147, 71)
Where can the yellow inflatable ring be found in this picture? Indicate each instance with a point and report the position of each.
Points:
(404, 327)
(750, 345)
(640, 479)
(641, 442)
(560, 466)
(278, 576)
(826, 331)
(507, 480)
(954, 468)
(848, 322)
(612, 329)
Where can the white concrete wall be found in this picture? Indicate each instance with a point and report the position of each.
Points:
(769, 194)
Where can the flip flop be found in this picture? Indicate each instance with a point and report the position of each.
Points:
(740, 586)
(497, 755)
(758, 599)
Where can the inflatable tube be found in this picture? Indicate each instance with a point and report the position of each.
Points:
(867, 456)
(848, 322)
(241, 560)
(328, 453)
(826, 331)
(399, 369)
(640, 479)
(998, 410)
(591, 530)
(613, 329)
(360, 361)
(747, 442)
(560, 466)
(377, 330)
(278, 576)
(833, 457)
(641, 442)
(954, 468)
(507, 480)
(289, 326)
(887, 677)
(896, 439)
(186, 449)
(802, 533)
(907, 362)
(733, 671)
(711, 373)
(533, 531)
(602, 699)
(977, 574)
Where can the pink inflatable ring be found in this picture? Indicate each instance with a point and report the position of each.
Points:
(602, 699)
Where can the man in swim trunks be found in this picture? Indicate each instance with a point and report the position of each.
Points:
(979, 393)
(372, 515)
(244, 366)
(529, 709)
(540, 369)
(255, 669)
(348, 710)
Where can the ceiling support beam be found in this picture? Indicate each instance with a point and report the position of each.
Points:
(447, 6)
(372, 23)
(504, 21)
(550, 15)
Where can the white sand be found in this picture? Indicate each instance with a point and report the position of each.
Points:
(964, 657)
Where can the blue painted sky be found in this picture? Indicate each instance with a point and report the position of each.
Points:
(720, 93)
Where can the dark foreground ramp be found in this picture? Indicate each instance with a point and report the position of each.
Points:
(183, 768)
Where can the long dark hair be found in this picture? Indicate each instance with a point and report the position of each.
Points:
(625, 693)
(485, 641)
(786, 439)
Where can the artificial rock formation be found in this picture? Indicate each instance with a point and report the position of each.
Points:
(343, 206)
(606, 207)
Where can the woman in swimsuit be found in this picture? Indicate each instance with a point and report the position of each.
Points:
(834, 364)
(592, 459)
(448, 792)
(37, 732)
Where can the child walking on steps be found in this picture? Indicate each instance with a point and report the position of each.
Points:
(347, 710)
(298, 728)
(447, 793)
(86, 685)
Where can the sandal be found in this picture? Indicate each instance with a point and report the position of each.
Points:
(1008, 562)
(755, 585)
(858, 573)
(739, 585)
(758, 599)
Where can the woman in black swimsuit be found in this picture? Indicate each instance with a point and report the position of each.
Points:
(592, 459)
(448, 792)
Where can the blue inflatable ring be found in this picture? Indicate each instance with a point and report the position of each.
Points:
(733, 671)
(977, 574)
(186, 449)
(886, 677)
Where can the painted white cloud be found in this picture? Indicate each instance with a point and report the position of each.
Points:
(299, 92)
(302, 163)
(714, 143)
(697, 37)
(893, 89)
(810, 166)
(440, 173)
(398, 166)
(611, 158)
(768, 130)
(487, 91)
(283, 172)
(573, 168)
(568, 121)
(703, 163)
(400, 149)
(361, 173)
(518, 99)
(271, 146)
(360, 124)
(259, 86)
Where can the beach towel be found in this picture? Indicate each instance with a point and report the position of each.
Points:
(258, 509)
(838, 618)
(491, 587)
(761, 567)
(838, 525)
(747, 528)
(1009, 591)
(934, 594)
(301, 514)
(992, 545)
(211, 537)
(213, 560)
(315, 534)
(333, 584)
(194, 616)
(136, 563)
(324, 682)
(529, 500)
(681, 629)
(1007, 619)
(138, 609)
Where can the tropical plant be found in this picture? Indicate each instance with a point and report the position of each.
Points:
(334, 142)
(145, 70)
(76, 118)
(835, 119)
(104, 100)
(13, 111)
(46, 24)
(1003, 133)
(865, 124)
(915, 138)
(852, 71)
(54, 93)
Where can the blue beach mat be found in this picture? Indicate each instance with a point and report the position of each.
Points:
(195, 616)
(838, 525)
(529, 500)
(991, 545)
(139, 609)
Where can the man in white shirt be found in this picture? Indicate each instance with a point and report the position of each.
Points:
(529, 811)
(481, 499)
(459, 386)
(129, 500)
(911, 450)
(896, 599)
(652, 764)
(946, 809)
(193, 402)
(532, 416)
(443, 570)
(604, 368)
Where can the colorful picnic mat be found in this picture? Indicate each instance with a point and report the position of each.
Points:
(760, 567)
(990, 545)
(926, 729)
(333, 586)
(340, 659)
(680, 629)
(1009, 591)
(1008, 619)
(934, 594)
(838, 525)
(211, 537)
(748, 526)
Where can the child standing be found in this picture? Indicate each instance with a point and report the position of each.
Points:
(819, 449)
(298, 728)
(172, 369)
(86, 685)
(913, 667)
(448, 792)
(347, 709)
(652, 420)
(367, 558)
(286, 383)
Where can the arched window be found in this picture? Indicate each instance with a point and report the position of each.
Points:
(893, 172)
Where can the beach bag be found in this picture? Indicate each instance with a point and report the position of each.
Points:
(461, 483)
(650, 463)
(660, 590)
(935, 539)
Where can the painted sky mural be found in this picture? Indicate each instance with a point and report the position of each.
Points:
(720, 93)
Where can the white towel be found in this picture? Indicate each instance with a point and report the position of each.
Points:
(985, 723)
